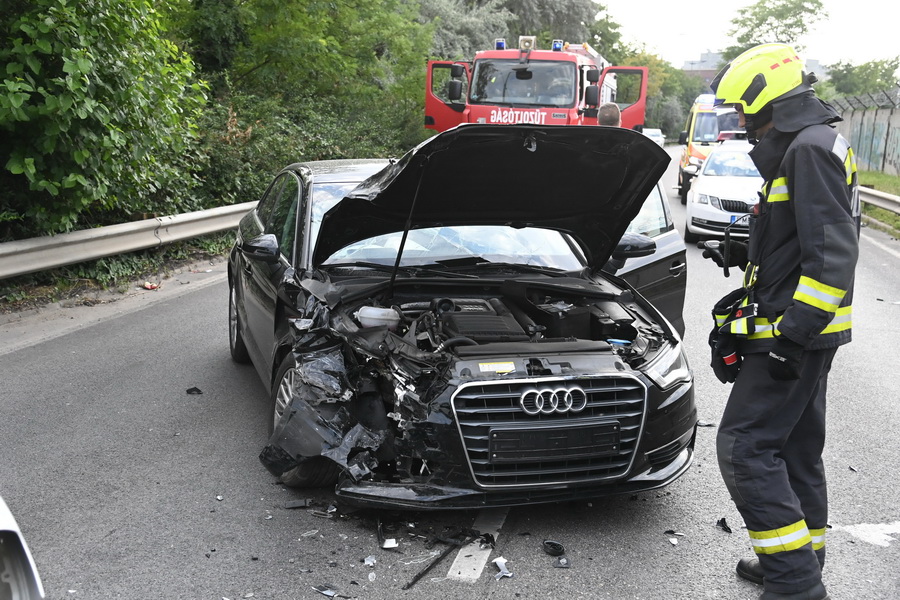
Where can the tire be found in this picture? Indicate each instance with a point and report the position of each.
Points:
(316, 471)
(683, 187)
(236, 343)
(689, 238)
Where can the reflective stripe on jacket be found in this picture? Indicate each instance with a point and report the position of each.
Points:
(804, 243)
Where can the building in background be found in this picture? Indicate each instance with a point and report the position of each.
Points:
(710, 63)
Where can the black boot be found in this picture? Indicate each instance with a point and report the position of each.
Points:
(816, 592)
(751, 570)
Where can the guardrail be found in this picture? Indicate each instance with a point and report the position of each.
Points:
(39, 254)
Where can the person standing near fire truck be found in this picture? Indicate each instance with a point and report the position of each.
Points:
(776, 336)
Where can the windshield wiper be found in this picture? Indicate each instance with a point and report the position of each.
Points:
(551, 271)
(411, 270)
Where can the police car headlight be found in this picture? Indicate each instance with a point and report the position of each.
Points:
(669, 368)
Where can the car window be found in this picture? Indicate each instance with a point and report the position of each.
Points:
(653, 219)
(730, 164)
(283, 220)
(267, 202)
(494, 243)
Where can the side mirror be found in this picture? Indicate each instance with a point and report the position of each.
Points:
(263, 247)
(634, 245)
(682, 138)
(456, 70)
(593, 76)
(691, 170)
(454, 89)
(592, 95)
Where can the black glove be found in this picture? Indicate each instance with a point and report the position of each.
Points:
(784, 359)
(725, 361)
(737, 254)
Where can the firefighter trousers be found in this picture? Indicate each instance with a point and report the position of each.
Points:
(769, 446)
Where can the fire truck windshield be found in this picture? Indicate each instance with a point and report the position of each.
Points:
(512, 83)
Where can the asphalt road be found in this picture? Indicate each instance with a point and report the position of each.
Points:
(126, 486)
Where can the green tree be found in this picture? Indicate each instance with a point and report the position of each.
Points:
(462, 27)
(605, 37)
(770, 21)
(868, 78)
(568, 20)
(96, 113)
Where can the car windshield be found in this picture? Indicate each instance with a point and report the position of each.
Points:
(730, 164)
(535, 83)
(489, 243)
(709, 124)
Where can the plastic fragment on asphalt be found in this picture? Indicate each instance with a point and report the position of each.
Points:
(369, 561)
(705, 424)
(309, 533)
(673, 541)
(562, 562)
(723, 525)
(371, 575)
(329, 590)
(304, 503)
(321, 514)
(553, 548)
(854, 469)
(487, 541)
(673, 532)
(220, 498)
(500, 562)
(194, 391)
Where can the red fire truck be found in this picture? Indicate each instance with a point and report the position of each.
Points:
(561, 86)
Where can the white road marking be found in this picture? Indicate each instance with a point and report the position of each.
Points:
(873, 533)
(470, 559)
(884, 247)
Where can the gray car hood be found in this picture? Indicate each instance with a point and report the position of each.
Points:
(587, 181)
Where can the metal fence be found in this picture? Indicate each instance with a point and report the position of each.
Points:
(872, 124)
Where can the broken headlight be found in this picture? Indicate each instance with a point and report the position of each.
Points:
(669, 367)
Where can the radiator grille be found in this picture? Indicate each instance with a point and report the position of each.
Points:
(736, 206)
(594, 444)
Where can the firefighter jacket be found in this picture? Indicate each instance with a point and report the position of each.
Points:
(804, 241)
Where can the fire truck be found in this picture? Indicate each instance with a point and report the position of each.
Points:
(564, 85)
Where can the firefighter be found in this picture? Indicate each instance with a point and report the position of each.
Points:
(776, 336)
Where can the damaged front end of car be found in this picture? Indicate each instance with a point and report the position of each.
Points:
(510, 392)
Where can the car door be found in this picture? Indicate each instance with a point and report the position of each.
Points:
(264, 277)
(662, 276)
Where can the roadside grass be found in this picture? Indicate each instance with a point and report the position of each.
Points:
(82, 282)
(879, 218)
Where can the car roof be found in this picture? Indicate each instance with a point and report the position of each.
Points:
(340, 170)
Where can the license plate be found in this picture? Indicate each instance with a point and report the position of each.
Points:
(555, 442)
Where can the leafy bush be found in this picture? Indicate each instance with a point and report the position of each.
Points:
(96, 114)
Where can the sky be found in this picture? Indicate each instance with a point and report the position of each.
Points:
(857, 31)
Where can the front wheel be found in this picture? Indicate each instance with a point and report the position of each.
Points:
(689, 238)
(236, 343)
(315, 471)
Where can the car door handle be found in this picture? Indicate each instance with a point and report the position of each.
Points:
(677, 269)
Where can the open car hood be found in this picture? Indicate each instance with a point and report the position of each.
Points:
(587, 181)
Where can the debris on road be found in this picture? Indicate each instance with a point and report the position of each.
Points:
(501, 565)
(553, 548)
(723, 525)
(304, 503)
(194, 391)
(562, 562)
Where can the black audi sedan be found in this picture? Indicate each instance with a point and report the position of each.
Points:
(443, 331)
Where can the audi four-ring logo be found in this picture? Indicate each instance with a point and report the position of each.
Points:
(550, 400)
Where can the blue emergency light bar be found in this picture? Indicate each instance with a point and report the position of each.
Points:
(500, 44)
(557, 46)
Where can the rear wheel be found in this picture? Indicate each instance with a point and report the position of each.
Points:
(236, 343)
(315, 471)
